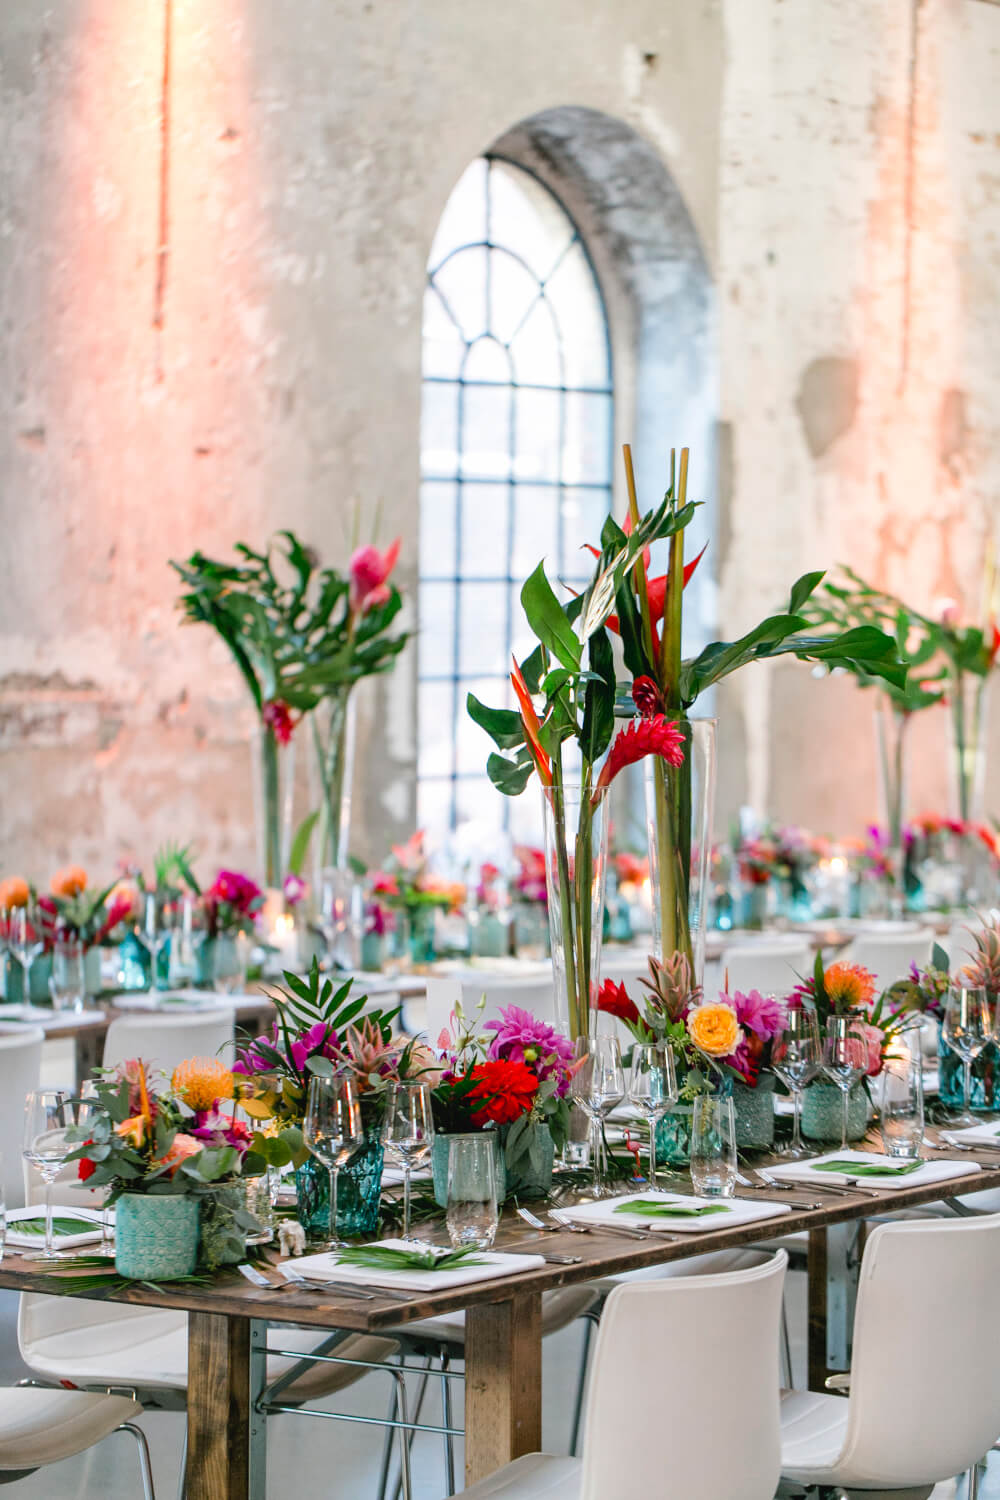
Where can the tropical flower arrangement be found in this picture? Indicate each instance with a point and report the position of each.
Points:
(318, 1034)
(844, 988)
(302, 637)
(231, 904)
(529, 879)
(515, 1072)
(68, 911)
(407, 883)
(711, 1040)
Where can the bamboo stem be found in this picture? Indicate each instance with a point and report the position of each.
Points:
(558, 804)
(640, 567)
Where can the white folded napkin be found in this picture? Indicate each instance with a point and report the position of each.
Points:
(730, 1211)
(986, 1134)
(36, 1216)
(325, 1267)
(930, 1171)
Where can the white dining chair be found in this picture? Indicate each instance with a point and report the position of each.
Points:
(773, 968)
(889, 954)
(534, 992)
(166, 1041)
(922, 1404)
(670, 1352)
(20, 1072)
(39, 1427)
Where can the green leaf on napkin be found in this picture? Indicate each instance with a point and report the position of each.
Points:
(866, 1168)
(657, 1208)
(59, 1226)
(385, 1258)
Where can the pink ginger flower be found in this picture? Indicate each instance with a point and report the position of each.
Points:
(370, 570)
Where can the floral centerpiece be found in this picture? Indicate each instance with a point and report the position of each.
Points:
(513, 1075)
(164, 1150)
(302, 637)
(231, 904)
(530, 901)
(407, 886)
(319, 1033)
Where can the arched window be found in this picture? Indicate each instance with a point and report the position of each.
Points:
(516, 453)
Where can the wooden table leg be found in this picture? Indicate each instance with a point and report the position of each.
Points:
(503, 1383)
(223, 1457)
(816, 1322)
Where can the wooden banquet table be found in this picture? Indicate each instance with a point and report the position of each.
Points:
(227, 1331)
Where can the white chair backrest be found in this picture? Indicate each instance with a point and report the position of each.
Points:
(534, 993)
(889, 954)
(773, 969)
(97, 1326)
(165, 1041)
(711, 1344)
(20, 1072)
(908, 1424)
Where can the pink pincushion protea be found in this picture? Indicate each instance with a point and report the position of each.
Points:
(521, 1037)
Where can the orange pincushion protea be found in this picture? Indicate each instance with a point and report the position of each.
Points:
(849, 986)
(202, 1080)
(14, 891)
(714, 1030)
(69, 881)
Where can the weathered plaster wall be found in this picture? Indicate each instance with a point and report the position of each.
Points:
(859, 224)
(312, 147)
(840, 160)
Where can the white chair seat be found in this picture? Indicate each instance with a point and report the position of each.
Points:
(813, 1426)
(537, 1476)
(148, 1350)
(43, 1427)
(559, 1309)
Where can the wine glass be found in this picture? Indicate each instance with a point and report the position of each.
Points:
(25, 942)
(48, 1115)
(598, 1085)
(152, 929)
(652, 1088)
(845, 1060)
(967, 1028)
(795, 1059)
(332, 1131)
(68, 981)
(408, 1134)
(339, 895)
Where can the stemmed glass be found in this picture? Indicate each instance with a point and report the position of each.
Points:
(333, 1132)
(25, 942)
(845, 1060)
(795, 1058)
(598, 1085)
(408, 1134)
(652, 1088)
(967, 1028)
(338, 895)
(48, 1115)
(152, 929)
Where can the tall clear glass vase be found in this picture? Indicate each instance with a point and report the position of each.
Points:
(680, 806)
(576, 863)
(968, 695)
(274, 787)
(891, 745)
(331, 725)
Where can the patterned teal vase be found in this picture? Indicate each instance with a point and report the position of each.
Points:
(822, 1112)
(420, 924)
(156, 1236)
(439, 1166)
(359, 1192)
(984, 1094)
(754, 1114)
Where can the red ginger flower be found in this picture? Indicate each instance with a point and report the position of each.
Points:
(657, 736)
(504, 1090)
(647, 697)
(278, 717)
(614, 1001)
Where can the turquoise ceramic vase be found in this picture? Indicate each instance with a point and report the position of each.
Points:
(439, 1164)
(822, 1112)
(156, 1236)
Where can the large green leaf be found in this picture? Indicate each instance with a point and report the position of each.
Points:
(509, 776)
(548, 620)
(503, 725)
(599, 700)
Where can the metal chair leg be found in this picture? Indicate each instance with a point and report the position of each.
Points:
(406, 1438)
(182, 1477)
(972, 1490)
(409, 1436)
(145, 1467)
(383, 1478)
(449, 1442)
(786, 1348)
(581, 1384)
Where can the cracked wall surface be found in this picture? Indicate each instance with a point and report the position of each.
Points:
(840, 162)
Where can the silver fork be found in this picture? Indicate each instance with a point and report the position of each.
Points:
(344, 1288)
(623, 1229)
(536, 1222)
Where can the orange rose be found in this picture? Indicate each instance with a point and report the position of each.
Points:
(714, 1030)
(68, 882)
(14, 891)
(183, 1147)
